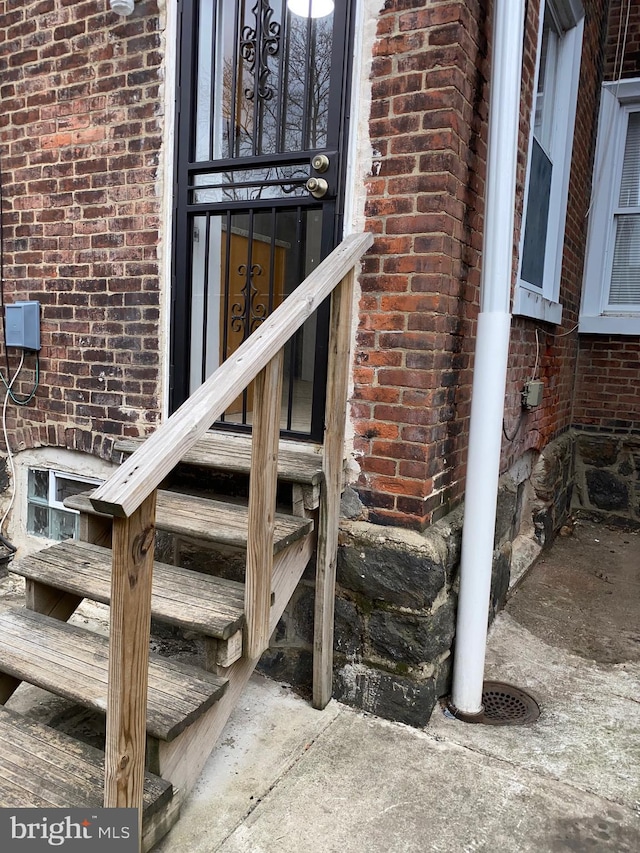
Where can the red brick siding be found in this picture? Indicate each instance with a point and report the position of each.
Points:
(608, 397)
(554, 348)
(80, 138)
(607, 381)
(623, 56)
(421, 280)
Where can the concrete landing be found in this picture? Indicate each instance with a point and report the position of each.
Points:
(290, 779)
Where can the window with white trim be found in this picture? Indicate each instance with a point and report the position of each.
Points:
(46, 513)
(611, 290)
(545, 208)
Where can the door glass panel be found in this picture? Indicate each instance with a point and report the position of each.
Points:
(263, 78)
(281, 180)
(262, 255)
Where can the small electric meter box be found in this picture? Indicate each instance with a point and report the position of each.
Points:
(22, 325)
(532, 393)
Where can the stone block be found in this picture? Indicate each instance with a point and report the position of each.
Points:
(302, 614)
(295, 666)
(348, 628)
(350, 504)
(390, 696)
(506, 512)
(500, 577)
(553, 468)
(408, 639)
(599, 451)
(606, 490)
(388, 573)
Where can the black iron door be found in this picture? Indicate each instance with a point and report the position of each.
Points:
(262, 94)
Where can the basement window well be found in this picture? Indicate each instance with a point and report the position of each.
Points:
(47, 516)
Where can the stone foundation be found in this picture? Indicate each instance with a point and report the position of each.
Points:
(608, 476)
(397, 594)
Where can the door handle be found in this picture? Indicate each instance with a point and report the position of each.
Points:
(317, 187)
(320, 163)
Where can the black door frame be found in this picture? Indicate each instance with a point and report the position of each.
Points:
(185, 169)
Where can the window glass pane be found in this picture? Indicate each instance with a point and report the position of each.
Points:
(66, 487)
(62, 524)
(37, 520)
(546, 94)
(630, 183)
(38, 484)
(536, 224)
(625, 275)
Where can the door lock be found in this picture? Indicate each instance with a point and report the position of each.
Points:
(317, 187)
(320, 162)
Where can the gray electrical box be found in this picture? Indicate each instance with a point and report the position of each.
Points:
(22, 325)
(532, 393)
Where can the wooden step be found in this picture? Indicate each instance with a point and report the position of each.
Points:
(73, 662)
(209, 520)
(298, 462)
(212, 606)
(43, 768)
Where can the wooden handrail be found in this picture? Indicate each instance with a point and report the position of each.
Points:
(145, 469)
(129, 495)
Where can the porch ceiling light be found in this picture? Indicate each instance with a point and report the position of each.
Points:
(311, 8)
(122, 7)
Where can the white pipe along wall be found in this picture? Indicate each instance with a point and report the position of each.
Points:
(491, 353)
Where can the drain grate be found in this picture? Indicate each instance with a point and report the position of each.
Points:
(504, 705)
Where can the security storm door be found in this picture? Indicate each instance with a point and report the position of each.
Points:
(260, 161)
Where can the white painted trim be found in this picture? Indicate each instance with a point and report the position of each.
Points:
(169, 25)
(360, 154)
(617, 100)
(530, 301)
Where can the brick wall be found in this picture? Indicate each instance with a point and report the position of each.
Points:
(607, 390)
(80, 137)
(542, 350)
(421, 281)
(608, 387)
(624, 19)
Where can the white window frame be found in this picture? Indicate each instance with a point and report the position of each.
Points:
(617, 101)
(529, 300)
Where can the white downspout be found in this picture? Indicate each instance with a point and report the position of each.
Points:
(492, 349)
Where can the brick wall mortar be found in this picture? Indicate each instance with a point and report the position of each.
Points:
(80, 137)
(420, 285)
(420, 282)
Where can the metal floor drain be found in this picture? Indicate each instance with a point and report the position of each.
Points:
(504, 705)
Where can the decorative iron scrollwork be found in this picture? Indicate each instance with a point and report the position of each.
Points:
(247, 315)
(257, 51)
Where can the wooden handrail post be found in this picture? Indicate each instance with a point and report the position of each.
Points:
(262, 504)
(133, 540)
(329, 516)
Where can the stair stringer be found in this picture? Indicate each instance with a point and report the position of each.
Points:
(182, 760)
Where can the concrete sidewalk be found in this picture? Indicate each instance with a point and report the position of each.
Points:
(288, 779)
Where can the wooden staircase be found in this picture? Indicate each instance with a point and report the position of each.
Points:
(163, 716)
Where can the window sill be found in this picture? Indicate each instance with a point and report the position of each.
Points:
(610, 325)
(529, 302)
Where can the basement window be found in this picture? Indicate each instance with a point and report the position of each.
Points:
(47, 516)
